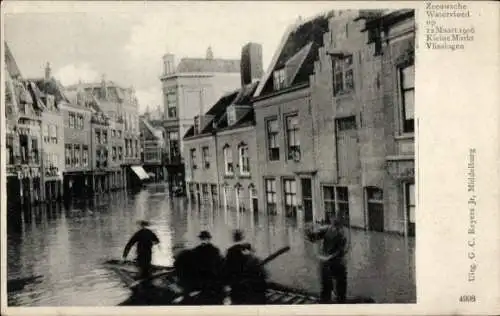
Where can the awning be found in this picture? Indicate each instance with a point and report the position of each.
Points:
(140, 172)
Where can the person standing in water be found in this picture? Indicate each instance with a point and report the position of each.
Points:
(145, 240)
(332, 260)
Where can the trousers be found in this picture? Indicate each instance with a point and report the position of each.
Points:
(333, 271)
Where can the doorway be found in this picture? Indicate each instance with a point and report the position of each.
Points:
(375, 209)
(307, 199)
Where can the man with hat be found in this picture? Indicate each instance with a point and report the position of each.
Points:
(208, 262)
(145, 240)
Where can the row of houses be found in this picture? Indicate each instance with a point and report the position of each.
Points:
(328, 130)
(74, 141)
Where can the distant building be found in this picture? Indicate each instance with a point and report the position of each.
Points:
(78, 144)
(51, 93)
(115, 147)
(188, 91)
(152, 145)
(23, 113)
(220, 148)
(155, 114)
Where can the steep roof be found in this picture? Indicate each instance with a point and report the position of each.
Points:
(242, 96)
(53, 87)
(297, 52)
(154, 131)
(209, 65)
(10, 63)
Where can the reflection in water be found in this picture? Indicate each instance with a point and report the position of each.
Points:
(66, 245)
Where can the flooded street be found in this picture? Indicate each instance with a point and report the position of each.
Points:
(65, 247)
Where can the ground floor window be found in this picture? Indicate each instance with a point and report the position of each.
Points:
(336, 203)
(214, 193)
(290, 192)
(191, 190)
(409, 189)
(205, 192)
(270, 185)
(375, 208)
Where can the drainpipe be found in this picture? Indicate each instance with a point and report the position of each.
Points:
(214, 134)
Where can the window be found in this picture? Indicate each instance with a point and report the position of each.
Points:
(270, 185)
(231, 115)
(34, 151)
(410, 207)
(173, 139)
(53, 134)
(113, 153)
(105, 137)
(228, 160)
(292, 131)
(79, 121)
(67, 155)
(193, 158)
(336, 202)
(71, 120)
(272, 140)
(136, 148)
(171, 105)
(113, 133)
(205, 156)
(329, 202)
(46, 137)
(119, 134)
(97, 137)
(196, 125)
(214, 192)
(77, 155)
(205, 192)
(290, 191)
(375, 208)
(10, 149)
(343, 75)
(120, 153)
(279, 79)
(407, 77)
(85, 156)
(244, 160)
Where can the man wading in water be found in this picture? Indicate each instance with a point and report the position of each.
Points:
(333, 264)
(145, 240)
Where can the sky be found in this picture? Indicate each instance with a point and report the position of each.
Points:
(125, 41)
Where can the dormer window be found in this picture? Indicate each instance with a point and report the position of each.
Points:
(196, 124)
(343, 75)
(279, 79)
(231, 115)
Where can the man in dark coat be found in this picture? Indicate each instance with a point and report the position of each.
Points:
(145, 240)
(208, 263)
(333, 264)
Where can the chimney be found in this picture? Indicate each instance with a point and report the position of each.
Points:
(251, 67)
(47, 71)
(210, 53)
(168, 64)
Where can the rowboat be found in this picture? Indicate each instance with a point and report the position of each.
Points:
(164, 290)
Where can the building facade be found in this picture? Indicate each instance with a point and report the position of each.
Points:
(221, 148)
(189, 89)
(152, 149)
(114, 135)
(23, 113)
(339, 142)
(284, 125)
(52, 95)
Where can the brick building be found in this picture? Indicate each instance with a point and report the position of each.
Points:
(189, 89)
(23, 111)
(152, 149)
(284, 123)
(51, 93)
(78, 159)
(220, 147)
(334, 121)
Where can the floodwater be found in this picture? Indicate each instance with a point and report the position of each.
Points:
(63, 248)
